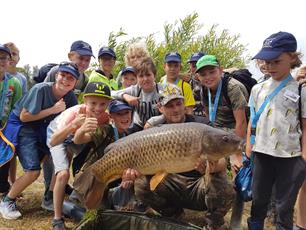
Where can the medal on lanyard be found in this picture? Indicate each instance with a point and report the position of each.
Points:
(213, 108)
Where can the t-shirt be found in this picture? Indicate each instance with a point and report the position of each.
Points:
(23, 82)
(278, 129)
(12, 96)
(238, 96)
(147, 106)
(98, 76)
(41, 97)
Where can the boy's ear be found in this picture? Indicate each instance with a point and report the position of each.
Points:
(160, 107)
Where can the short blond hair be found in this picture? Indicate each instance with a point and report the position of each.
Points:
(11, 46)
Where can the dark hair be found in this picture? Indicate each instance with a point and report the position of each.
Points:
(297, 56)
(145, 65)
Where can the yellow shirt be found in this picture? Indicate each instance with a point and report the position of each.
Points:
(185, 89)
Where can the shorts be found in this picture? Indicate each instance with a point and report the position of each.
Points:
(31, 149)
(60, 157)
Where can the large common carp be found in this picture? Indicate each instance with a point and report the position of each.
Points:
(171, 148)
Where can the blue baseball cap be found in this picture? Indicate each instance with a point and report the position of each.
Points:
(128, 69)
(275, 45)
(82, 48)
(195, 57)
(173, 57)
(69, 67)
(106, 50)
(5, 49)
(116, 105)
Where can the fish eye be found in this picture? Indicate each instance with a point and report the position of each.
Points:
(225, 138)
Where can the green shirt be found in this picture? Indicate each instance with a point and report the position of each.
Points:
(13, 95)
(97, 76)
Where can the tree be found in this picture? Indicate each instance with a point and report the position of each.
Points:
(184, 37)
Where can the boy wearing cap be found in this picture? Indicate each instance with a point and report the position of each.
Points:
(107, 60)
(188, 190)
(102, 136)
(128, 77)
(275, 133)
(26, 129)
(80, 54)
(60, 133)
(220, 114)
(172, 68)
(10, 92)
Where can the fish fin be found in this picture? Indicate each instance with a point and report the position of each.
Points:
(156, 179)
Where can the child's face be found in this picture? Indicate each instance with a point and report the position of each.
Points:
(280, 67)
(192, 67)
(82, 62)
(15, 57)
(95, 105)
(4, 62)
(146, 81)
(210, 76)
(172, 69)
(122, 119)
(129, 79)
(107, 62)
(65, 82)
(174, 111)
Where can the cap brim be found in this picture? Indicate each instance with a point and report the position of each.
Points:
(98, 95)
(164, 102)
(120, 108)
(6, 51)
(68, 70)
(267, 55)
(211, 64)
(84, 53)
(173, 59)
(107, 53)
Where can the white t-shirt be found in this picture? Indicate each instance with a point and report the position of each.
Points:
(278, 129)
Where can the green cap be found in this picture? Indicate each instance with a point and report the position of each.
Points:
(207, 60)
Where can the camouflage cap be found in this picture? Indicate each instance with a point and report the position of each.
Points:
(168, 93)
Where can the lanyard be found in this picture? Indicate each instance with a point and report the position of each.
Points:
(116, 133)
(4, 94)
(255, 115)
(213, 108)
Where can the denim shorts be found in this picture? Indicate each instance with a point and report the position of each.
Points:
(31, 149)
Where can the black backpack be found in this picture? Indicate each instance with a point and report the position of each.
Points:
(243, 76)
(42, 72)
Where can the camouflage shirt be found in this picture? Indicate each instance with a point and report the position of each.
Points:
(238, 96)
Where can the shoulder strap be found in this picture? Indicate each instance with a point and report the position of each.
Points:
(226, 78)
(183, 87)
(300, 104)
(139, 92)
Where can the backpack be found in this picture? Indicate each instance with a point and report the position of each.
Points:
(243, 76)
(125, 220)
(42, 72)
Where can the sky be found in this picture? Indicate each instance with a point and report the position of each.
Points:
(44, 30)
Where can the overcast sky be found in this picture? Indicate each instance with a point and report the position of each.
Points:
(44, 30)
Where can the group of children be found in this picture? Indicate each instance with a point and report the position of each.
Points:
(47, 122)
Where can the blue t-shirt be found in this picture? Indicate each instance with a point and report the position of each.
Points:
(41, 97)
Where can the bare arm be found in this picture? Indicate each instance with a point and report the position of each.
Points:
(26, 116)
(189, 109)
(60, 135)
(248, 148)
(240, 130)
